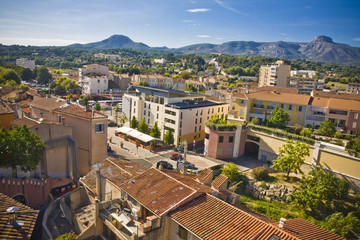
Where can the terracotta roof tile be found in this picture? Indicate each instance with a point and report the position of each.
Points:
(211, 218)
(190, 181)
(336, 95)
(219, 180)
(157, 191)
(79, 111)
(204, 174)
(115, 170)
(25, 213)
(48, 104)
(304, 230)
(5, 108)
(27, 121)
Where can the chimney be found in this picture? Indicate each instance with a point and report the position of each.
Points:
(282, 222)
(98, 182)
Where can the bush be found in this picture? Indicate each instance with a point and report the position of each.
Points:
(260, 173)
(342, 189)
(263, 185)
(338, 134)
(306, 132)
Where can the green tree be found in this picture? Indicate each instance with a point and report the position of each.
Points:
(9, 74)
(26, 74)
(317, 188)
(353, 146)
(232, 172)
(343, 226)
(67, 236)
(134, 123)
(63, 85)
(306, 132)
(97, 106)
(291, 157)
(169, 137)
(185, 75)
(143, 83)
(43, 75)
(86, 100)
(20, 146)
(155, 131)
(117, 109)
(190, 88)
(143, 127)
(327, 128)
(278, 118)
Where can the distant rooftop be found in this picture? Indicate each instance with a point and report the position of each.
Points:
(169, 93)
(193, 104)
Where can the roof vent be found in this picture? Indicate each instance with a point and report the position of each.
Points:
(282, 222)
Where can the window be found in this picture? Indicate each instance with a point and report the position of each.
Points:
(98, 80)
(195, 129)
(182, 233)
(222, 109)
(195, 120)
(229, 151)
(218, 109)
(181, 124)
(144, 112)
(179, 133)
(242, 101)
(241, 111)
(134, 103)
(199, 135)
(149, 121)
(231, 139)
(212, 111)
(99, 127)
(354, 125)
(299, 108)
(149, 113)
(134, 110)
(299, 117)
(201, 112)
(104, 81)
(58, 118)
(221, 139)
(199, 128)
(281, 106)
(157, 116)
(149, 106)
(200, 120)
(181, 115)
(356, 115)
(157, 108)
(144, 105)
(207, 136)
(197, 112)
(290, 107)
(208, 111)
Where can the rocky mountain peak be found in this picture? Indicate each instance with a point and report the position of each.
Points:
(322, 38)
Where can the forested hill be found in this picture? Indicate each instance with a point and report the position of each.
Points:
(321, 48)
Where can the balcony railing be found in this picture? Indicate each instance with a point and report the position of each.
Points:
(258, 106)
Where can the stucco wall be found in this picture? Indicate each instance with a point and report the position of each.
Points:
(57, 162)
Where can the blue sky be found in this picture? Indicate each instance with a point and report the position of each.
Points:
(177, 23)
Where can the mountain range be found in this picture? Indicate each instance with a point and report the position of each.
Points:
(321, 48)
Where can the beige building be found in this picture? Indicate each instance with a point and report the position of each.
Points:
(277, 74)
(90, 131)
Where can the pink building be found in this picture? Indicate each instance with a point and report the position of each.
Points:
(225, 143)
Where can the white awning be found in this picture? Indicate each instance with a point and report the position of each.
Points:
(135, 134)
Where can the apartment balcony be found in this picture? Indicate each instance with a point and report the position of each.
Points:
(338, 112)
(259, 106)
(269, 109)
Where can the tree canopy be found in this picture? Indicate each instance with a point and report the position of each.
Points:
(43, 75)
(20, 146)
(341, 225)
(278, 118)
(190, 88)
(63, 84)
(143, 127)
(97, 106)
(134, 123)
(155, 131)
(169, 137)
(327, 128)
(231, 171)
(291, 157)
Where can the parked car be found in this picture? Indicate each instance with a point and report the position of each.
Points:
(165, 164)
(190, 165)
(175, 156)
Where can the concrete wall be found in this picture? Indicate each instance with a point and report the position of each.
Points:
(57, 162)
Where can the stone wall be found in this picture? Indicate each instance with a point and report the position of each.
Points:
(271, 192)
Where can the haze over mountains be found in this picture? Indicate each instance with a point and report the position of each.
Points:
(321, 48)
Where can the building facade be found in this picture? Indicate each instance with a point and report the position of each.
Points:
(181, 112)
(277, 74)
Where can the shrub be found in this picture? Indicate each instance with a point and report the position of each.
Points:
(260, 173)
(338, 134)
(263, 185)
(342, 189)
(306, 132)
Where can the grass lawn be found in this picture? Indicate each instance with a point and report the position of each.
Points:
(336, 85)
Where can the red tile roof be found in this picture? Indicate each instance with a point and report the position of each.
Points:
(336, 95)
(79, 111)
(204, 174)
(25, 213)
(219, 180)
(211, 218)
(5, 108)
(115, 170)
(308, 231)
(48, 104)
(157, 191)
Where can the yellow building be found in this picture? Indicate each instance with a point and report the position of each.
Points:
(246, 106)
(277, 74)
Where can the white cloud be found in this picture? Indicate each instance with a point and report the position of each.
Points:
(356, 39)
(228, 7)
(37, 41)
(203, 36)
(196, 10)
(193, 2)
(188, 21)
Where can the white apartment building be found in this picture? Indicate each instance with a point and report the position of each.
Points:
(94, 69)
(108, 57)
(182, 112)
(26, 63)
(353, 88)
(303, 73)
(305, 84)
(157, 81)
(277, 74)
(94, 84)
(160, 60)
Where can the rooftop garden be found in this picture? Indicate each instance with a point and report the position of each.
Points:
(219, 122)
